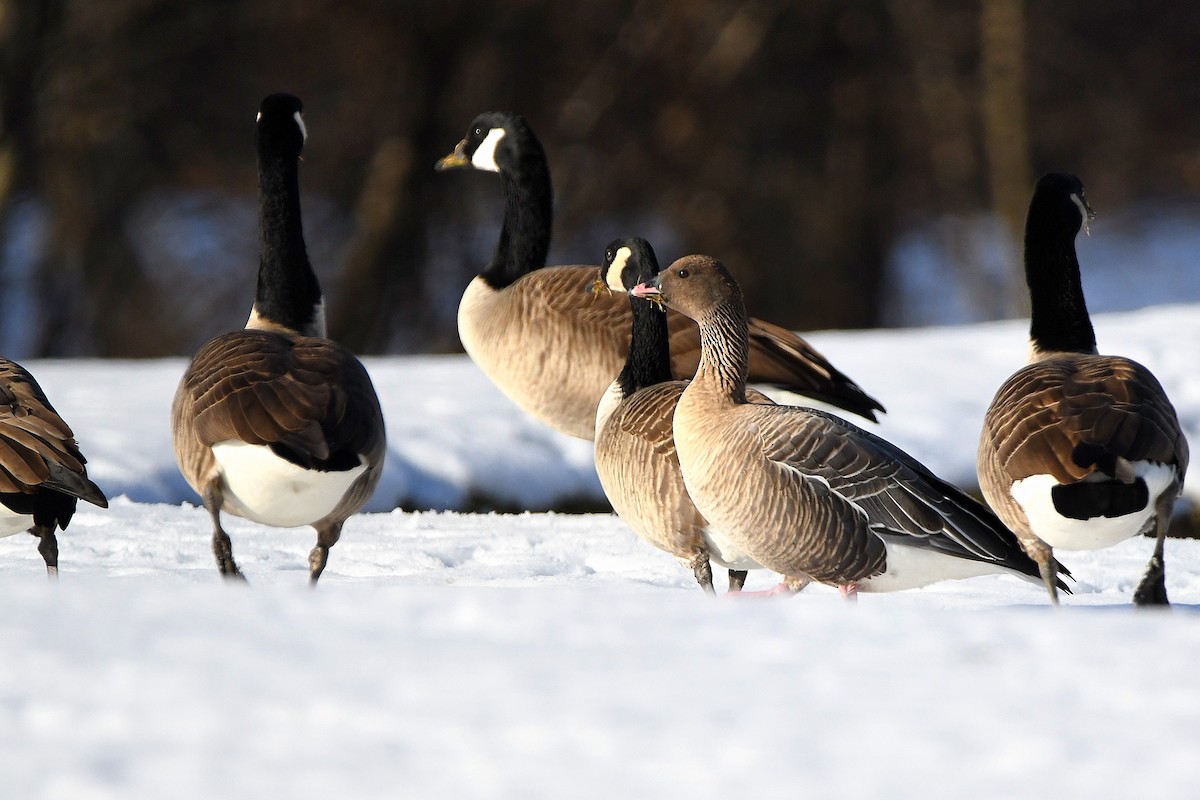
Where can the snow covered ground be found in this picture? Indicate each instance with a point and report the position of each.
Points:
(552, 655)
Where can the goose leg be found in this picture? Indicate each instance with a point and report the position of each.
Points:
(1152, 591)
(48, 547)
(222, 547)
(737, 579)
(327, 537)
(1043, 556)
(1049, 572)
(702, 569)
(849, 591)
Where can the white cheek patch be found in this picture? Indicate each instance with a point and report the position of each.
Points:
(484, 157)
(258, 117)
(300, 122)
(1083, 212)
(613, 276)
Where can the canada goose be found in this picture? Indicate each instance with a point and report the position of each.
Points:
(803, 492)
(276, 423)
(539, 334)
(635, 451)
(1079, 451)
(42, 473)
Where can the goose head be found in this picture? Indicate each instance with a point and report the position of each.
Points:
(280, 126)
(493, 144)
(695, 286)
(1059, 202)
(627, 262)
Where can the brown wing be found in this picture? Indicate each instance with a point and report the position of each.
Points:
(309, 399)
(777, 356)
(873, 489)
(37, 448)
(570, 290)
(1065, 415)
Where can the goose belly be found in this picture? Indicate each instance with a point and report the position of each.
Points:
(547, 363)
(1064, 533)
(914, 567)
(12, 523)
(262, 487)
(723, 551)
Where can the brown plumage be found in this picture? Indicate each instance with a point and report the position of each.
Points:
(1060, 407)
(806, 493)
(539, 334)
(308, 399)
(276, 423)
(635, 450)
(1078, 450)
(553, 348)
(42, 472)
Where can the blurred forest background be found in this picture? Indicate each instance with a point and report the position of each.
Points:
(801, 142)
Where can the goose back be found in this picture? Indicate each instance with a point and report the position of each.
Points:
(307, 399)
(42, 471)
(1099, 423)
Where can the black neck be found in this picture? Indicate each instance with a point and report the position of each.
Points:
(649, 360)
(288, 292)
(528, 217)
(1059, 321)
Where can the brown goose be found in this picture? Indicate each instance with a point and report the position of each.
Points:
(276, 423)
(635, 451)
(42, 473)
(539, 334)
(803, 492)
(1079, 451)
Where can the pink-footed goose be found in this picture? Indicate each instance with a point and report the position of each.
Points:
(803, 492)
(635, 451)
(1079, 451)
(543, 339)
(42, 472)
(276, 423)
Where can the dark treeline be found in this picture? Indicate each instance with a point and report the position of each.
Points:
(791, 139)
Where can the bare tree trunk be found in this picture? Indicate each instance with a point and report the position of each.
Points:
(1006, 127)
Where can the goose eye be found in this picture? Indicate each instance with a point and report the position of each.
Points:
(683, 273)
(478, 131)
(608, 255)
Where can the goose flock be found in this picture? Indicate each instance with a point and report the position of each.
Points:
(280, 425)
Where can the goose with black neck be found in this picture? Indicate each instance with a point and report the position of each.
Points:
(635, 448)
(276, 423)
(552, 347)
(1079, 450)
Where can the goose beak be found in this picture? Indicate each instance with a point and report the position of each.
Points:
(651, 288)
(456, 159)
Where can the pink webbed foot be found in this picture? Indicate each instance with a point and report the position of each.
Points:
(849, 591)
(784, 589)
